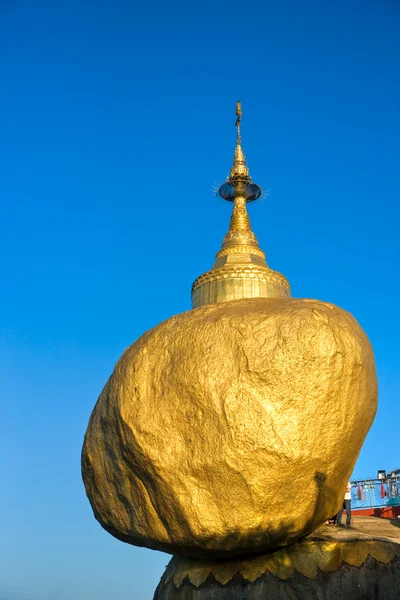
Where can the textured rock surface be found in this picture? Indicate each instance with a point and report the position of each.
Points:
(231, 428)
(361, 563)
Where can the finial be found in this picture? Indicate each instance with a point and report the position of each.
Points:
(239, 117)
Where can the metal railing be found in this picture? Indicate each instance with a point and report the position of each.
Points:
(373, 495)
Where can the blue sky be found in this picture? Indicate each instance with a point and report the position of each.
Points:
(116, 120)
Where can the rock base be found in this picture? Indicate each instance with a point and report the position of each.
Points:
(361, 563)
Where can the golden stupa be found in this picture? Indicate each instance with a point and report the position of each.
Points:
(240, 269)
(232, 428)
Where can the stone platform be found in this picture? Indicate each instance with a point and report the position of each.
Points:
(362, 562)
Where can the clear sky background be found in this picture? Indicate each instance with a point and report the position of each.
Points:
(116, 121)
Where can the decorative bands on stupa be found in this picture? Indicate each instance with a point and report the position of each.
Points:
(240, 250)
(237, 282)
(240, 269)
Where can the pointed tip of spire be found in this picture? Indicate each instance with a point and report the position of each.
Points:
(239, 117)
(239, 174)
(239, 171)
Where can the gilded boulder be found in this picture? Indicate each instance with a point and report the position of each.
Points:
(232, 428)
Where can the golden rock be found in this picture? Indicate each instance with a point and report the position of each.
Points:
(232, 428)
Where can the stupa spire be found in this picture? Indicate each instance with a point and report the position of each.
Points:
(239, 170)
(239, 190)
(240, 269)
